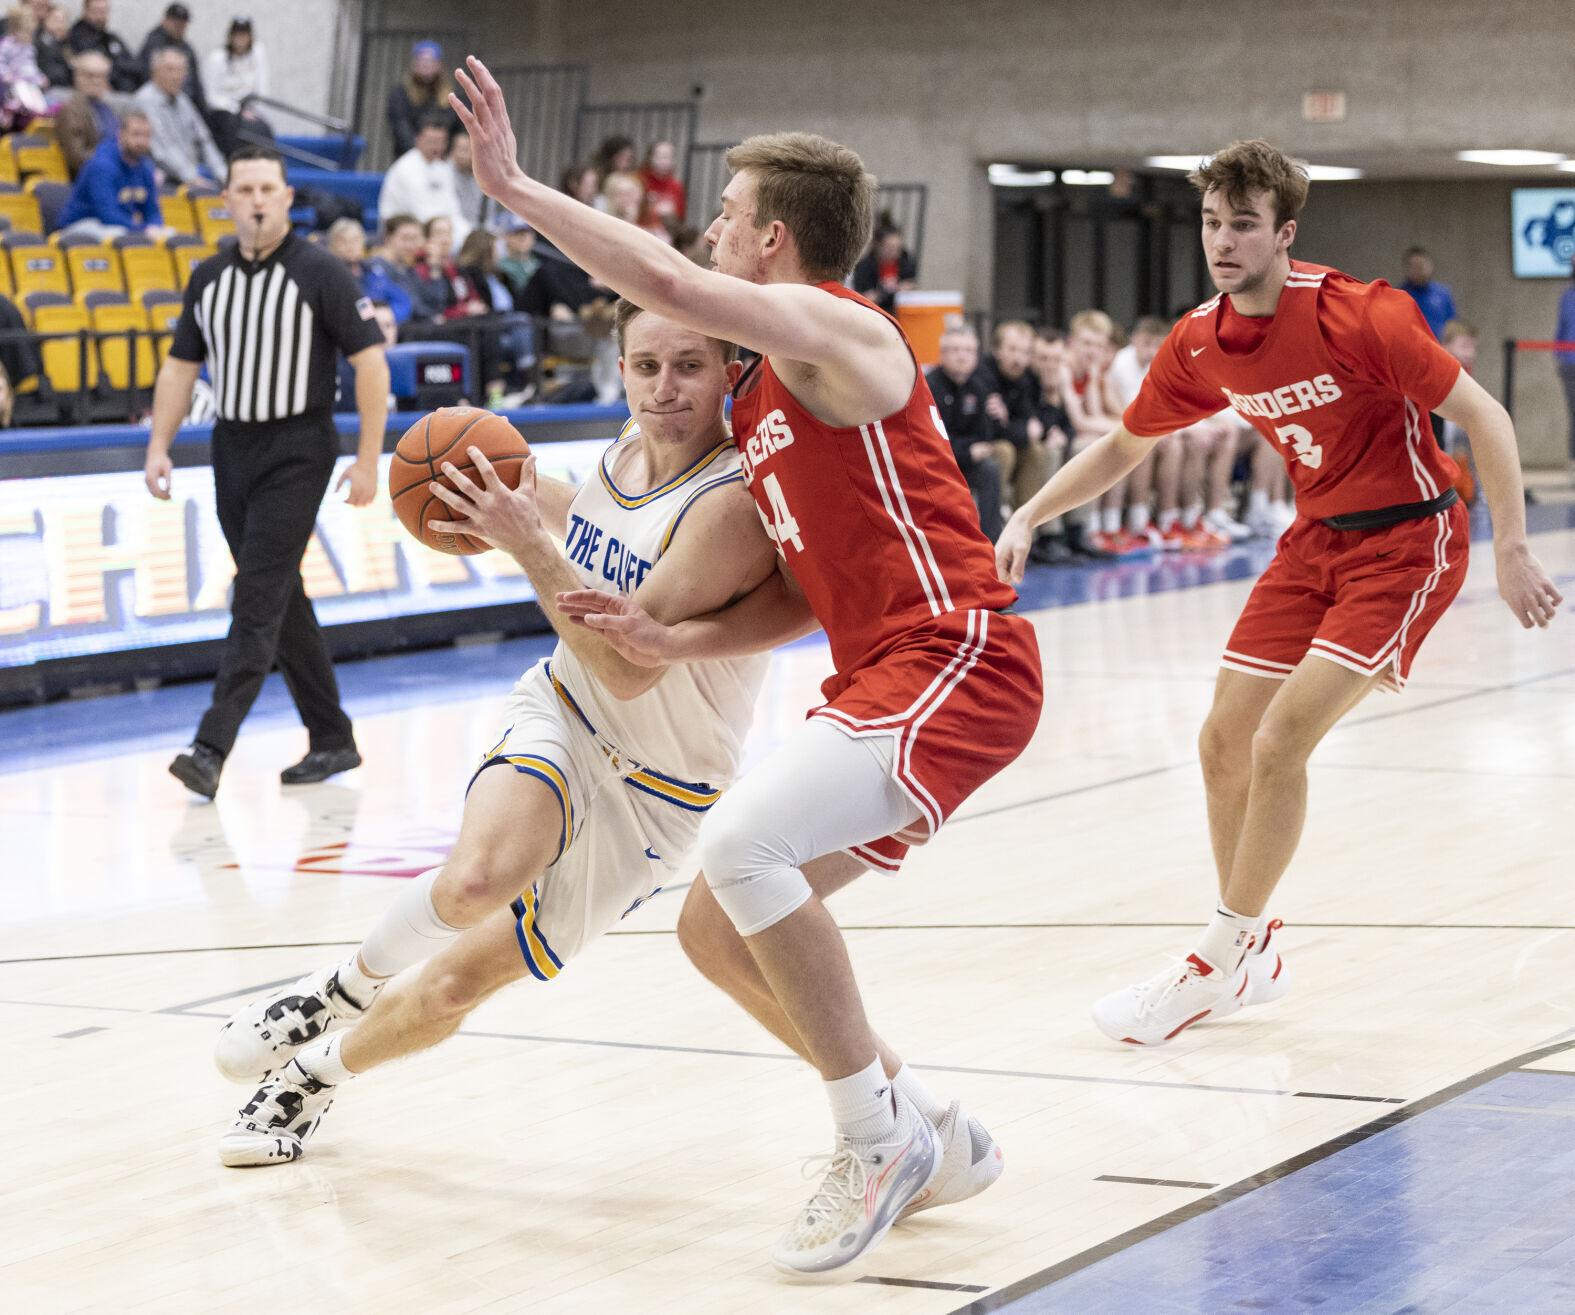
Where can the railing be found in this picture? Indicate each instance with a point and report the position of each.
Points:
(647, 122)
(705, 175)
(544, 104)
(384, 59)
(88, 404)
(907, 203)
(325, 121)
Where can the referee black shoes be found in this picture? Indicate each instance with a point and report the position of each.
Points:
(319, 765)
(198, 769)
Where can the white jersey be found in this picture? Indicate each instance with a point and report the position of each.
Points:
(689, 728)
(1126, 375)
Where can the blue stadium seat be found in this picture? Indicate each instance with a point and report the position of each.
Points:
(425, 375)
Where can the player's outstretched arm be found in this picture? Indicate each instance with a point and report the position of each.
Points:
(774, 613)
(1522, 582)
(792, 321)
(1085, 476)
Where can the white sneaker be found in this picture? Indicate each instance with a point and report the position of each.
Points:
(1152, 1012)
(1222, 522)
(864, 1190)
(1267, 977)
(970, 1161)
(264, 1036)
(274, 1126)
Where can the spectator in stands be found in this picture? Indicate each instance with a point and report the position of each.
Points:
(582, 183)
(1013, 403)
(117, 191)
(403, 239)
(887, 268)
(961, 394)
(49, 46)
(230, 74)
(519, 262)
(170, 34)
(665, 198)
(506, 353)
(624, 198)
(1459, 339)
(347, 240)
(91, 32)
(423, 91)
(446, 293)
(22, 86)
(1565, 360)
(7, 399)
(1436, 301)
(18, 353)
(183, 148)
(87, 118)
(473, 202)
(614, 156)
(421, 182)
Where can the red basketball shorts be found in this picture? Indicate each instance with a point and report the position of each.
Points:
(960, 697)
(1363, 598)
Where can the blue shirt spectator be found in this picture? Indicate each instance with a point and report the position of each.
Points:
(1437, 303)
(1566, 329)
(117, 187)
(347, 240)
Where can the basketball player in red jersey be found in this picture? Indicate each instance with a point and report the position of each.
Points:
(1340, 375)
(937, 686)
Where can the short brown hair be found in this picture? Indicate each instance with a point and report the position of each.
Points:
(1458, 328)
(1151, 325)
(1010, 326)
(818, 189)
(1243, 168)
(624, 313)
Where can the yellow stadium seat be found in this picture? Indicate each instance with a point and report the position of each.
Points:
(146, 268)
(20, 208)
(39, 156)
(177, 212)
(93, 269)
(7, 288)
(37, 268)
(8, 173)
(213, 220)
(187, 258)
(115, 353)
(53, 313)
(162, 310)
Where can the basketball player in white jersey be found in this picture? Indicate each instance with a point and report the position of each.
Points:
(591, 795)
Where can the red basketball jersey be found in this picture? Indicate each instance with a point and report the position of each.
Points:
(1340, 379)
(875, 520)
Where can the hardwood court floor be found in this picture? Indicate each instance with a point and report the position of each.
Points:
(624, 1139)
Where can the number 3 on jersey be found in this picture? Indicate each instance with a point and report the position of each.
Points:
(781, 528)
(1301, 441)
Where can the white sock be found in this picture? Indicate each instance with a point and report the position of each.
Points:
(1224, 942)
(320, 1059)
(862, 1105)
(1112, 519)
(408, 932)
(912, 1088)
(1167, 519)
(1190, 514)
(358, 987)
(1258, 502)
(1137, 517)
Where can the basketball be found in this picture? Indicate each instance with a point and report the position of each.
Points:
(447, 435)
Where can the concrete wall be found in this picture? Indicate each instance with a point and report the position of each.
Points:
(931, 91)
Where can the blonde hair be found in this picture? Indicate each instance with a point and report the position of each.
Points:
(1096, 320)
(1245, 167)
(819, 190)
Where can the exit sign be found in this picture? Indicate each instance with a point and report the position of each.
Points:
(1323, 106)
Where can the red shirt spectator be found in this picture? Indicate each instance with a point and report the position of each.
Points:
(664, 194)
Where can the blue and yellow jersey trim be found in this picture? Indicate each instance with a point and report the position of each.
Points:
(737, 477)
(625, 500)
(544, 965)
(545, 771)
(696, 796)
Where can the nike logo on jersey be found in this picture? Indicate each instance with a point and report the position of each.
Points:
(771, 435)
(1303, 395)
(1198, 351)
(1386, 554)
(652, 854)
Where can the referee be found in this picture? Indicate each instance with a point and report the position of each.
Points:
(268, 316)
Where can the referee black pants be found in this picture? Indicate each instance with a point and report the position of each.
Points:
(268, 482)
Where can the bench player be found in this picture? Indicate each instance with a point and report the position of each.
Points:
(1340, 376)
(935, 690)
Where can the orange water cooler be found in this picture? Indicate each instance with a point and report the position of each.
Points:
(923, 315)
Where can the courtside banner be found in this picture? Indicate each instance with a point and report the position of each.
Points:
(93, 564)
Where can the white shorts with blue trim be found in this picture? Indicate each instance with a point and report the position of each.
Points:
(619, 840)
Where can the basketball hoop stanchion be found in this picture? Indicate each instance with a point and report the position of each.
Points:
(1513, 345)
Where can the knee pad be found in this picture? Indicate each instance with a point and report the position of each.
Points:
(754, 878)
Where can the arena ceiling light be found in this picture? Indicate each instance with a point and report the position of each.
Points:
(1568, 166)
(1186, 163)
(1331, 173)
(1009, 175)
(1511, 158)
(1088, 177)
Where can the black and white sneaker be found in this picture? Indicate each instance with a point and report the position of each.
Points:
(274, 1126)
(261, 1038)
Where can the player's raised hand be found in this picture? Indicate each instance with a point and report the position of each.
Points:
(494, 153)
(1525, 586)
(623, 623)
(1011, 551)
(508, 519)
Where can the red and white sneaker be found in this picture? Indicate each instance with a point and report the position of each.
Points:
(970, 1160)
(1152, 1012)
(1267, 977)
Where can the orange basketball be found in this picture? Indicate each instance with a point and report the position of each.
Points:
(447, 435)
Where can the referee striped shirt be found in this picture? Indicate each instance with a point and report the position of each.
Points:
(271, 331)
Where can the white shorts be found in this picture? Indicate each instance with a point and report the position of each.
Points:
(623, 831)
